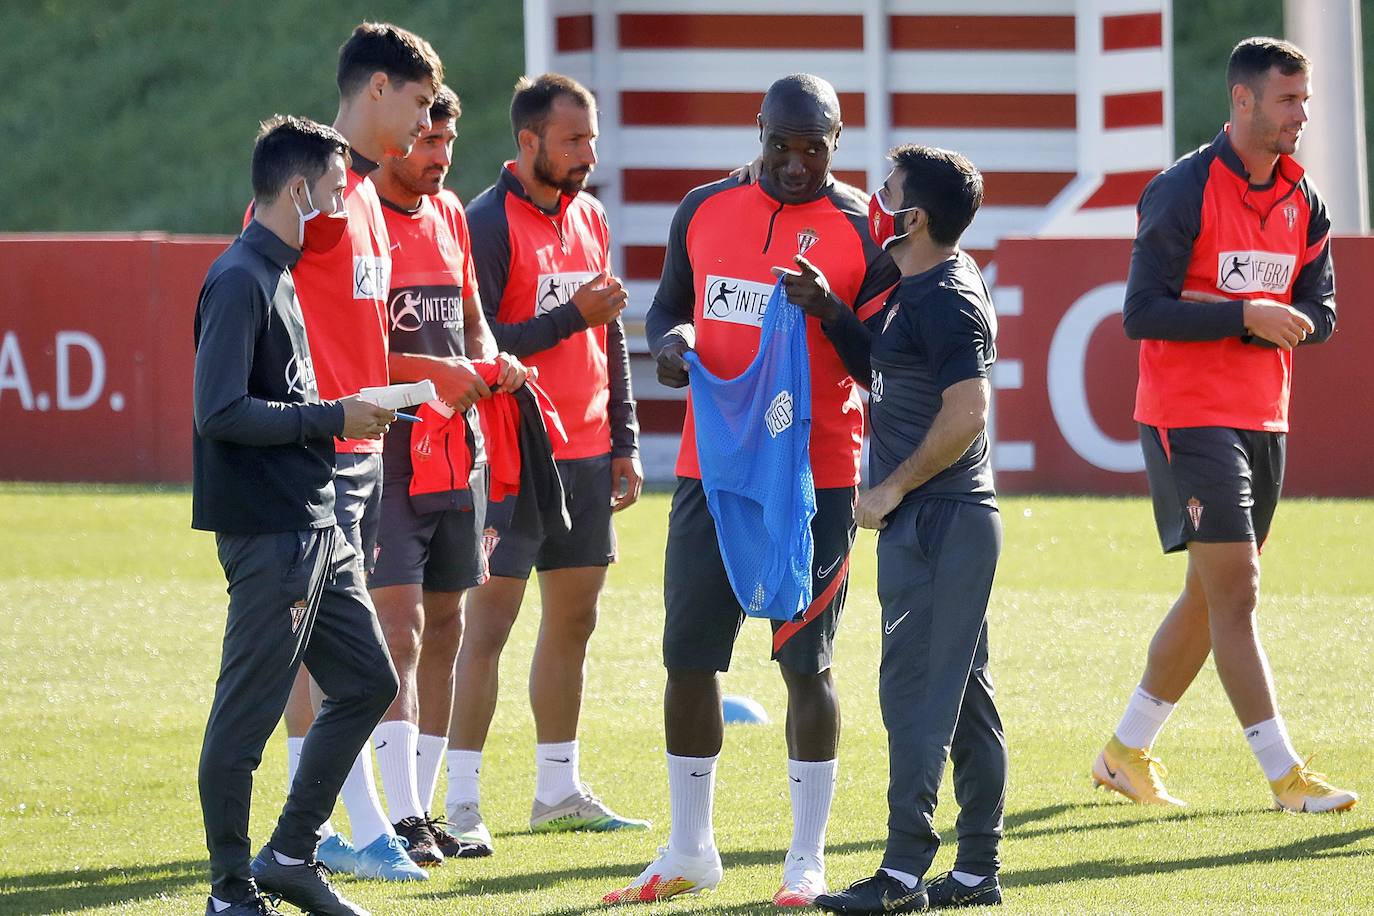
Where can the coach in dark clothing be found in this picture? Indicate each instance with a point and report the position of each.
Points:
(940, 535)
(264, 464)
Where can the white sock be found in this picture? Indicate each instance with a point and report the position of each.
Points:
(905, 877)
(395, 743)
(691, 791)
(285, 859)
(429, 753)
(812, 783)
(464, 768)
(359, 794)
(556, 771)
(968, 880)
(293, 763)
(1270, 744)
(1144, 717)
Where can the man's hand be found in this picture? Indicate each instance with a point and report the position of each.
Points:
(875, 504)
(1282, 325)
(672, 368)
(600, 300)
(458, 383)
(510, 372)
(363, 420)
(627, 479)
(749, 172)
(808, 288)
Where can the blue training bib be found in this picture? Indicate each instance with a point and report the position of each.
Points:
(754, 446)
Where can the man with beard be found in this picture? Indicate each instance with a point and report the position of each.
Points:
(429, 546)
(542, 251)
(1231, 270)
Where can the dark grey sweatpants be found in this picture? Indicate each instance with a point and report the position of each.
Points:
(293, 596)
(936, 560)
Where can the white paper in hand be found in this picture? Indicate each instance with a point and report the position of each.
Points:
(394, 397)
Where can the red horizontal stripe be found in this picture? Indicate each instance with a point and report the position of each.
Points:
(1023, 189)
(978, 109)
(712, 109)
(772, 32)
(643, 262)
(1133, 109)
(574, 33)
(660, 416)
(982, 256)
(669, 186)
(1134, 30)
(1119, 189)
(982, 33)
(818, 605)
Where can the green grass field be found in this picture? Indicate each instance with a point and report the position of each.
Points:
(113, 611)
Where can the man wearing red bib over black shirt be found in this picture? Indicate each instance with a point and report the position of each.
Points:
(542, 250)
(387, 79)
(1231, 271)
(725, 242)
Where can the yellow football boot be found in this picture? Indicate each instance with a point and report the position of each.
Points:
(1134, 773)
(1303, 789)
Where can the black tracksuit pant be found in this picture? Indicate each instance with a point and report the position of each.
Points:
(936, 560)
(293, 596)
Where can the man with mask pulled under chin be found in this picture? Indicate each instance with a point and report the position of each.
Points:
(263, 471)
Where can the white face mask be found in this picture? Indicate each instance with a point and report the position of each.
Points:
(304, 217)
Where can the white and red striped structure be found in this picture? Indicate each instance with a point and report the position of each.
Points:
(1063, 104)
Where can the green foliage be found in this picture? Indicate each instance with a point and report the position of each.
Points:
(110, 639)
(140, 114)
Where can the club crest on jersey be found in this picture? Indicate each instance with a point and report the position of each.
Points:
(423, 449)
(805, 239)
(1195, 512)
(553, 290)
(1254, 271)
(298, 614)
(735, 301)
(779, 415)
(1290, 216)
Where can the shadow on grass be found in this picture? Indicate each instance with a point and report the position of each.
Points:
(623, 871)
(54, 891)
(1327, 847)
(1129, 816)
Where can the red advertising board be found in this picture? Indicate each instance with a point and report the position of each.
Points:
(1066, 383)
(96, 356)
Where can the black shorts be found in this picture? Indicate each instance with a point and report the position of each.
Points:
(590, 541)
(703, 617)
(441, 551)
(1213, 484)
(358, 501)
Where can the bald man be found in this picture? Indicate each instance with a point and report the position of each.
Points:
(728, 243)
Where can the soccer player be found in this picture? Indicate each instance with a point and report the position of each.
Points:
(263, 463)
(428, 553)
(724, 244)
(933, 502)
(1231, 270)
(542, 250)
(387, 79)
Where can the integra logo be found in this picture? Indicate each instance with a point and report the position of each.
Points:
(736, 301)
(1254, 271)
(299, 376)
(371, 276)
(413, 306)
(554, 290)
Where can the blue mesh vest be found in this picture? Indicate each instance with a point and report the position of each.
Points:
(753, 443)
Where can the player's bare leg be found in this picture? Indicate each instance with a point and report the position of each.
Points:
(813, 715)
(1230, 576)
(692, 722)
(561, 800)
(434, 675)
(491, 611)
(1181, 644)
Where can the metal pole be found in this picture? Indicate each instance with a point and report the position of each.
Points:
(1333, 148)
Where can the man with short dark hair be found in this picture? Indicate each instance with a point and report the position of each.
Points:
(263, 468)
(387, 79)
(724, 247)
(542, 251)
(1231, 270)
(429, 546)
(931, 497)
